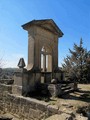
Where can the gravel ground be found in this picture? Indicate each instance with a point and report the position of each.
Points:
(70, 103)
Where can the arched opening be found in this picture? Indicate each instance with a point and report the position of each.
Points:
(46, 60)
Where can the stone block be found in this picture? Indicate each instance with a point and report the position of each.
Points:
(42, 106)
(52, 110)
(18, 78)
(22, 101)
(34, 113)
(63, 116)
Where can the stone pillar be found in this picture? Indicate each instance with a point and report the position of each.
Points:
(49, 63)
(44, 62)
(20, 79)
(30, 52)
(17, 86)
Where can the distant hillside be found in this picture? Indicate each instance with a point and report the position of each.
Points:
(6, 73)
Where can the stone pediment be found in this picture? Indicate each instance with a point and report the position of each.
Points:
(47, 24)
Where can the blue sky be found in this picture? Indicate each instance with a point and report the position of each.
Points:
(72, 17)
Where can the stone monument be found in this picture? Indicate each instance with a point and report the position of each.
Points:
(42, 64)
(43, 45)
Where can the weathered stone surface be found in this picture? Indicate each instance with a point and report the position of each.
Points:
(4, 88)
(5, 117)
(54, 89)
(39, 37)
(27, 108)
(16, 89)
(63, 116)
(42, 41)
(42, 106)
(8, 116)
(80, 117)
(34, 113)
(52, 110)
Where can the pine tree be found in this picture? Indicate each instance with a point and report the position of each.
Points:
(75, 65)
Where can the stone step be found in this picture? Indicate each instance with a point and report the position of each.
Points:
(64, 85)
(68, 91)
(66, 88)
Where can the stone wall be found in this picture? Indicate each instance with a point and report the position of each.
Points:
(28, 108)
(4, 90)
(24, 107)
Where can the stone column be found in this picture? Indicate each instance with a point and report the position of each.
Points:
(44, 62)
(30, 52)
(49, 63)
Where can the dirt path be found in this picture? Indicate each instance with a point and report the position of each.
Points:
(70, 103)
(74, 100)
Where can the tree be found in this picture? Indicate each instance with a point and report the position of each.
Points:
(86, 70)
(75, 65)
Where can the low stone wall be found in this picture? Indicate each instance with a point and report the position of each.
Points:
(29, 108)
(25, 107)
(4, 90)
